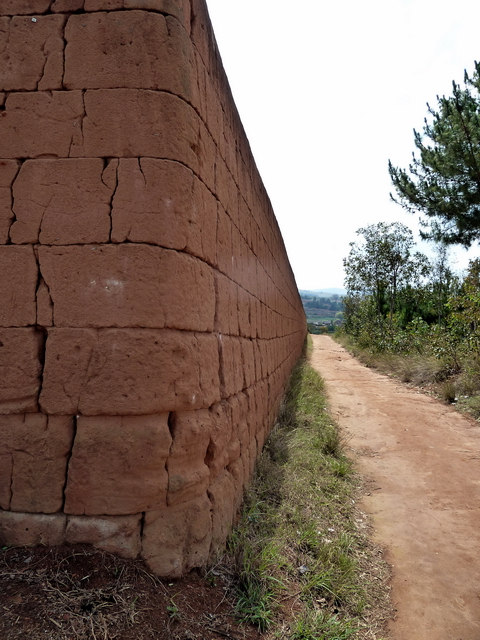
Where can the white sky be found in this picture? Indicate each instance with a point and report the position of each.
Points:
(328, 91)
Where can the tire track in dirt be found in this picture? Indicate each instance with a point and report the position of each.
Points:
(423, 459)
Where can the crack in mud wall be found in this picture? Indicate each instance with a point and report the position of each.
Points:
(149, 318)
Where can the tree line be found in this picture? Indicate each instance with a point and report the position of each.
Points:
(333, 303)
(398, 300)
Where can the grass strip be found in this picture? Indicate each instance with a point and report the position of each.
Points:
(304, 566)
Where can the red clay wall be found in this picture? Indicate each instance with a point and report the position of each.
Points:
(149, 318)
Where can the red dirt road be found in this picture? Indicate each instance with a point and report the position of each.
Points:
(423, 459)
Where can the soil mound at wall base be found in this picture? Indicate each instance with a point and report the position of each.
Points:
(77, 591)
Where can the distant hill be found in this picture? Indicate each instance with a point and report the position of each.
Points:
(322, 293)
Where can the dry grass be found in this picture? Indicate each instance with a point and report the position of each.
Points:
(80, 593)
(455, 385)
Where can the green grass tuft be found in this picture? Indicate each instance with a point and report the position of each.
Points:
(303, 568)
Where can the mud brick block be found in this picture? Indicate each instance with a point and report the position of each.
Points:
(103, 5)
(263, 403)
(244, 431)
(202, 240)
(31, 57)
(249, 267)
(67, 363)
(188, 475)
(65, 6)
(202, 34)
(41, 123)
(130, 49)
(128, 371)
(237, 264)
(8, 171)
(224, 243)
(248, 362)
(260, 438)
(245, 221)
(254, 313)
(22, 7)
(243, 312)
(20, 369)
(237, 471)
(212, 110)
(252, 456)
(221, 434)
(226, 315)
(246, 462)
(44, 305)
(180, 9)
(206, 151)
(222, 494)
(178, 538)
(231, 373)
(226, 190)
(30, 529)
(232, 157)
(113, 534)
(239, 426)
(263, 321)
(134, 480)
(34, 450)
(263, 357)
(258, 360)
(18, 282)
(63, 201)
(252, 316)
(135, 122)
(233, 450)
(128, 285)
(164, 203)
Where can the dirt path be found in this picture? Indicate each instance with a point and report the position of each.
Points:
(424, 462)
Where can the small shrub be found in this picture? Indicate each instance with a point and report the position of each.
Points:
(446, 391)
(473, 406)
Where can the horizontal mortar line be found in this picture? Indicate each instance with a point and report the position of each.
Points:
(84, 90)
(36, 245)
(196, 175)
(193, 332)
(157, 246)
(163, 159)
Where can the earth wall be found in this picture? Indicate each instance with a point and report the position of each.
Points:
(149, 318)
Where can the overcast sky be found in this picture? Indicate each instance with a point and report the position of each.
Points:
(327, 93)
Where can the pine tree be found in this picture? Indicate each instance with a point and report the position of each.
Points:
(443, 180)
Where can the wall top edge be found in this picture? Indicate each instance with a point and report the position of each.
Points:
(177, 8)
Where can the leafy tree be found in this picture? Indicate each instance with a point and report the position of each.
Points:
(444, 283)
(464, 307)
(382, 265)
(443, 180)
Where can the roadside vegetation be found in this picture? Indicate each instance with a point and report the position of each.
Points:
(406, 314)
(414, 318)
(304, 566)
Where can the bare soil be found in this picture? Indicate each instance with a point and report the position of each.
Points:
(422, 459)
(79, 593)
